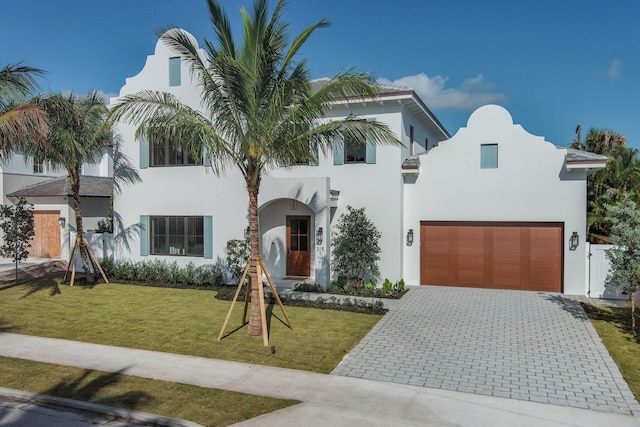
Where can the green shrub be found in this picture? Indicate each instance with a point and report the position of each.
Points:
(159, 272)
(355, 247)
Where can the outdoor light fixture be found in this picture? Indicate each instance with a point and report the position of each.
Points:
(62, 221)
(319, 236)
(575, 240)
(246, 234)
(410, 237)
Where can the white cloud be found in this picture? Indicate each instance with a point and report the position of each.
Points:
(614, 69)
(471, 94)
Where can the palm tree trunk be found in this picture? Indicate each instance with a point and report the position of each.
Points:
(84, 254)
(255, 323)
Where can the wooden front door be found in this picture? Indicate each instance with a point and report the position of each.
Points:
(298, 246)
(46, 241)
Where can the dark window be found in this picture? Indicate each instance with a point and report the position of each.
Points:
(355, 150)
(177, 235)
(170, 154)
(38, 167)
(411, 136)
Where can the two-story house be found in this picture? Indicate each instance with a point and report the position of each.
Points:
(492, 206)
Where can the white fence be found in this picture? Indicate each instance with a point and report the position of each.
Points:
(101, 244)
(598, 270)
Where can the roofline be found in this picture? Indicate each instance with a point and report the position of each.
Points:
(409, 94)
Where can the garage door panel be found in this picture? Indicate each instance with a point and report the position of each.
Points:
(506, 256)
(470, 243)
(525, 256)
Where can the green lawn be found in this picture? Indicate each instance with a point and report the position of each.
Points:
(209, 407)
(614, 327)
(178, 321)
(168, 320)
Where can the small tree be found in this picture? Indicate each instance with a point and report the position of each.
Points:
(625, 255)
(355, 247)
(237, 257)
(16, 221)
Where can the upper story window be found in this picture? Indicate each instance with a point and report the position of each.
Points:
(355, 150)
(488, 156)
(174, 71)
(177, 235)
(168, 153)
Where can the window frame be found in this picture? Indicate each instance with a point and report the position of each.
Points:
(198, 238)
(361, 148)
(187, 158)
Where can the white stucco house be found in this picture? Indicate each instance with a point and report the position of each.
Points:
(48, 190)
(492, 206)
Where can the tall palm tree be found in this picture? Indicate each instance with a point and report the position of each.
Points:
(20, 119)
(604, 141)
(258, 111)
(78, 133)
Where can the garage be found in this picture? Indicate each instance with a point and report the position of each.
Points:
(46, 241)
(501, 255)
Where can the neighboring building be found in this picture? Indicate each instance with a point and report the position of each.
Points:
(450, 210)
(49, 191)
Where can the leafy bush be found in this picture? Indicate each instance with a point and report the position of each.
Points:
(388, 289)
(355, 247)
(160, 272)
(237, 257)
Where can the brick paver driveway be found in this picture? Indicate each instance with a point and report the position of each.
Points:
(514, 344)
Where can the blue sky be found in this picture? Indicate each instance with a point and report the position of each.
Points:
(550, 63)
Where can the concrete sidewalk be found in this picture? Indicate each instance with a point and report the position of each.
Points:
(327, 399)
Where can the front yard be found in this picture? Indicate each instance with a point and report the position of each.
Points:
(178, 321)
(614, 327)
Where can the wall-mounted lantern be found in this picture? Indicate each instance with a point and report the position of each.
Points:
(410, 237)
(319, 236)
(246, 234)
(62, 221)
(574, 241)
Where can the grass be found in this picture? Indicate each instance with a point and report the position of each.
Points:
(178, 321)
(209, 407)
(614, 327)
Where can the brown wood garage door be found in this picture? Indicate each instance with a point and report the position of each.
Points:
(46, 241)
(503, 255)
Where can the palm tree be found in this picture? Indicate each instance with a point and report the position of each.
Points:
(621, 178)
(604, 141)
(20, 120)
(258, 110)
(78, 133)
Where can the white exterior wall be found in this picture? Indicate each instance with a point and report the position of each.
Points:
(530, 184)
(194, 190)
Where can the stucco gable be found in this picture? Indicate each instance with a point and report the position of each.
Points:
(519, 152)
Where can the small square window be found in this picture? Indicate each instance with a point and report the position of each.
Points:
(488, 156)
(355, 150)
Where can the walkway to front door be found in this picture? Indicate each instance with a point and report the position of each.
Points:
(523, 345)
